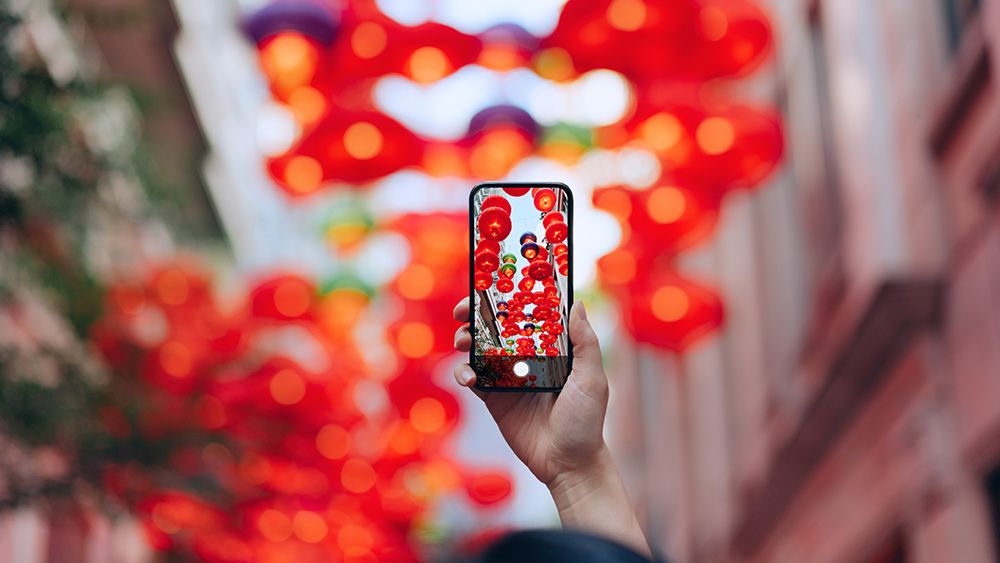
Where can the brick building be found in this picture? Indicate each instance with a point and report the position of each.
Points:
(850, 411)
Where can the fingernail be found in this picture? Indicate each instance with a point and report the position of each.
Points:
(466, 376)
(583, 310)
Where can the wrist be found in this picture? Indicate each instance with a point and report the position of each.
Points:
(584, 478)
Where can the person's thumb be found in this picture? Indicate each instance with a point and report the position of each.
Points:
(587, 364)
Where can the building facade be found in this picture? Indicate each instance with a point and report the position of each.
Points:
(850, 411)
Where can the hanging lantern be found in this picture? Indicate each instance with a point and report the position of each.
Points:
(501, 305)
(488, 245)
(541, 313)
(552, 217)
(672, 312)
(529, 317)
(528, 330)
(516, 192)
(496, 201)
(542, 254)
(505, 285)
(487, 262)
(528, 237)
(508, 352)
(494, 224)
(502, 315)
(553, 301)
(529, 250)
(540, 270)
(483, 281)
(526, 284)
(507, 271)
(564, 268)
(509, 259)
(560, 250)
(554, 315)
(545, 199)
(517, 317)
(556, 232)
(539, 298)
(554, 328)
(551, 351)
(509, 342)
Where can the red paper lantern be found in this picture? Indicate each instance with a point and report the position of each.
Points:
(494, 224)
(496, 201)
(516, 192)
(551, 351)
(505, 285)
(490, 245)
(540, 270)
(556, 232)
(526, 284)
(483, 281)
(489, 489)
(545, 198)
(564, 268)
(554, 328)
(560, 250)
(552, 217)
(487, 261)
(672, 312)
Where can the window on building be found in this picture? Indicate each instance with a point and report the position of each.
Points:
(993, 498)
(957, 15)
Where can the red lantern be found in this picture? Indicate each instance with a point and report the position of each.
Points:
(490, 245)
(540, 270)
(551, 351)
(564, 268)
(554, 301)
(554, 328)
(671, 312)
(545, 198)
(494, 224)
(526, 284)
(543, 254)
(516, 192)
(487, 262)
(489, 489)
(556, 232)
(505, 285)
(552, 217)
(496, 201)
(560, 250)
(483, 281)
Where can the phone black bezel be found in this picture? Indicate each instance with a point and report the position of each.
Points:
(472, 273)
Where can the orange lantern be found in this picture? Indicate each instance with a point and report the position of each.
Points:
(545, 198)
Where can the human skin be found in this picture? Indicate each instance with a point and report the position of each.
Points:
(560, 437)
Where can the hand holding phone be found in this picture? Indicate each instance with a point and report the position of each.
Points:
(521, 285)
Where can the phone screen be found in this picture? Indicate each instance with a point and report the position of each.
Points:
(521, 276)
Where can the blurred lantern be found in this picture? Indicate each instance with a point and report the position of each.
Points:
(498, 138)
(487, 261)
(344, 299)
(542, 254)
(540, 270)
(482, 281)
(502, 315)
(505, 285)
(496, 201)
(566, 143)
(671, 312)
(348, 146)
(494, 224)
(509, 342)
(551, 351)
(317, 20)
(545, 198)
(529, 317)
(564, 268)
(501, 305)
(506, 46)
(488, 489)
(553, 328)
(283, 298)
(528, 329)
(560, 250)
(528, 237)
(529, 250)
(556, 232)
(348, 226)
(526, 284)
(508, 271)
(516, 192)
(663, 39)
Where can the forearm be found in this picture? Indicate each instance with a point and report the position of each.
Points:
(593, 499)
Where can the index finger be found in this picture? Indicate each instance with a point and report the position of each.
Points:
(461, 312)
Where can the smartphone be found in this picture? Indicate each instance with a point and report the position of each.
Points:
(521, 285)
